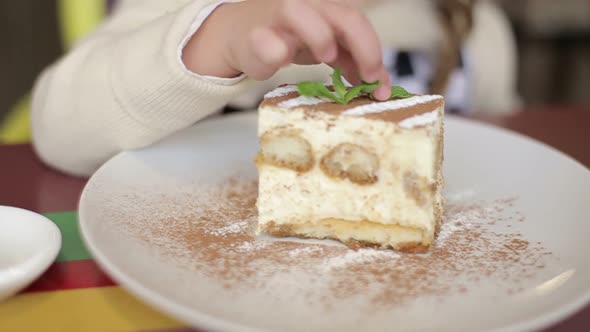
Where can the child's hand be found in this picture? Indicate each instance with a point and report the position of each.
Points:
(258, 37)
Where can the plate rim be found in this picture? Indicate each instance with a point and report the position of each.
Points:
(200, 319)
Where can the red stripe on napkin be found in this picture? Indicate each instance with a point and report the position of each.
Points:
(71, 275)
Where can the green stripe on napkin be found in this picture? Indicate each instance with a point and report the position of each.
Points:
(72, 248)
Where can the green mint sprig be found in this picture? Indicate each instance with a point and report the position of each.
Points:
(339, 86)
(341, 93)
(397, 92)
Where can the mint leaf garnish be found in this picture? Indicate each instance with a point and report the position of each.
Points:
(316, 89)
(397, 92)
(369, 87)
(364, 88)
(337, 82)
(342, 94)
(352, 93)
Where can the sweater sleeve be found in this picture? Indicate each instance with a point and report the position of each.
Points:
(124, 87)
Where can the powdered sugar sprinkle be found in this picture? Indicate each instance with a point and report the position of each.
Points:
(358, 257)
(234, 228)
(419, 120)
(301, 101)
(281, 91)
(389, 105)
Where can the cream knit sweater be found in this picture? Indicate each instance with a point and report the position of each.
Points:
(125, 86)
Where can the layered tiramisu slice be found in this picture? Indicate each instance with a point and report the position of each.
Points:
(365, 173)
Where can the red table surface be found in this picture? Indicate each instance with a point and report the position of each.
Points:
(27, 183)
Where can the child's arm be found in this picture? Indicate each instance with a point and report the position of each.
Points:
(123, 87)
(132, 83)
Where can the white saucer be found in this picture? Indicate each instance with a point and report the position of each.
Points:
(29, 243)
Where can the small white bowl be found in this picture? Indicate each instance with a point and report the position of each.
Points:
(29, 243)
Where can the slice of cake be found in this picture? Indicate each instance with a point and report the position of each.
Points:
(365, 173)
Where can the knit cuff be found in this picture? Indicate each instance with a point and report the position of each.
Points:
(201, 17)
(150, 83)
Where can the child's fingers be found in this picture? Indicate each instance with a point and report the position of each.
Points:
(268, 46)
(358, 37)
(305, 29)
(352, 3)
(265, 53)
(383, 92)
(349, 69)
(348, 66)
(310, 27)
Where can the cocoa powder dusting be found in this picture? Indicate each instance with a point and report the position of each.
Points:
(215, 231)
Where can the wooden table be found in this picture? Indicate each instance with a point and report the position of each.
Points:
(74, 294)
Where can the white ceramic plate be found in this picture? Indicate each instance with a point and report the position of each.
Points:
(29, 243)
(172, 224)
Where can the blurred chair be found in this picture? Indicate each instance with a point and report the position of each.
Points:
(76, 18)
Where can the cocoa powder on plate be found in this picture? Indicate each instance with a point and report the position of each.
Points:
(214, 231)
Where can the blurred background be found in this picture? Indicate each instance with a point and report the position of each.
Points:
(554, 49)
(553, 40)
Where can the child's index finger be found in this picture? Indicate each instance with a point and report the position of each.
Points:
(358, 36)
